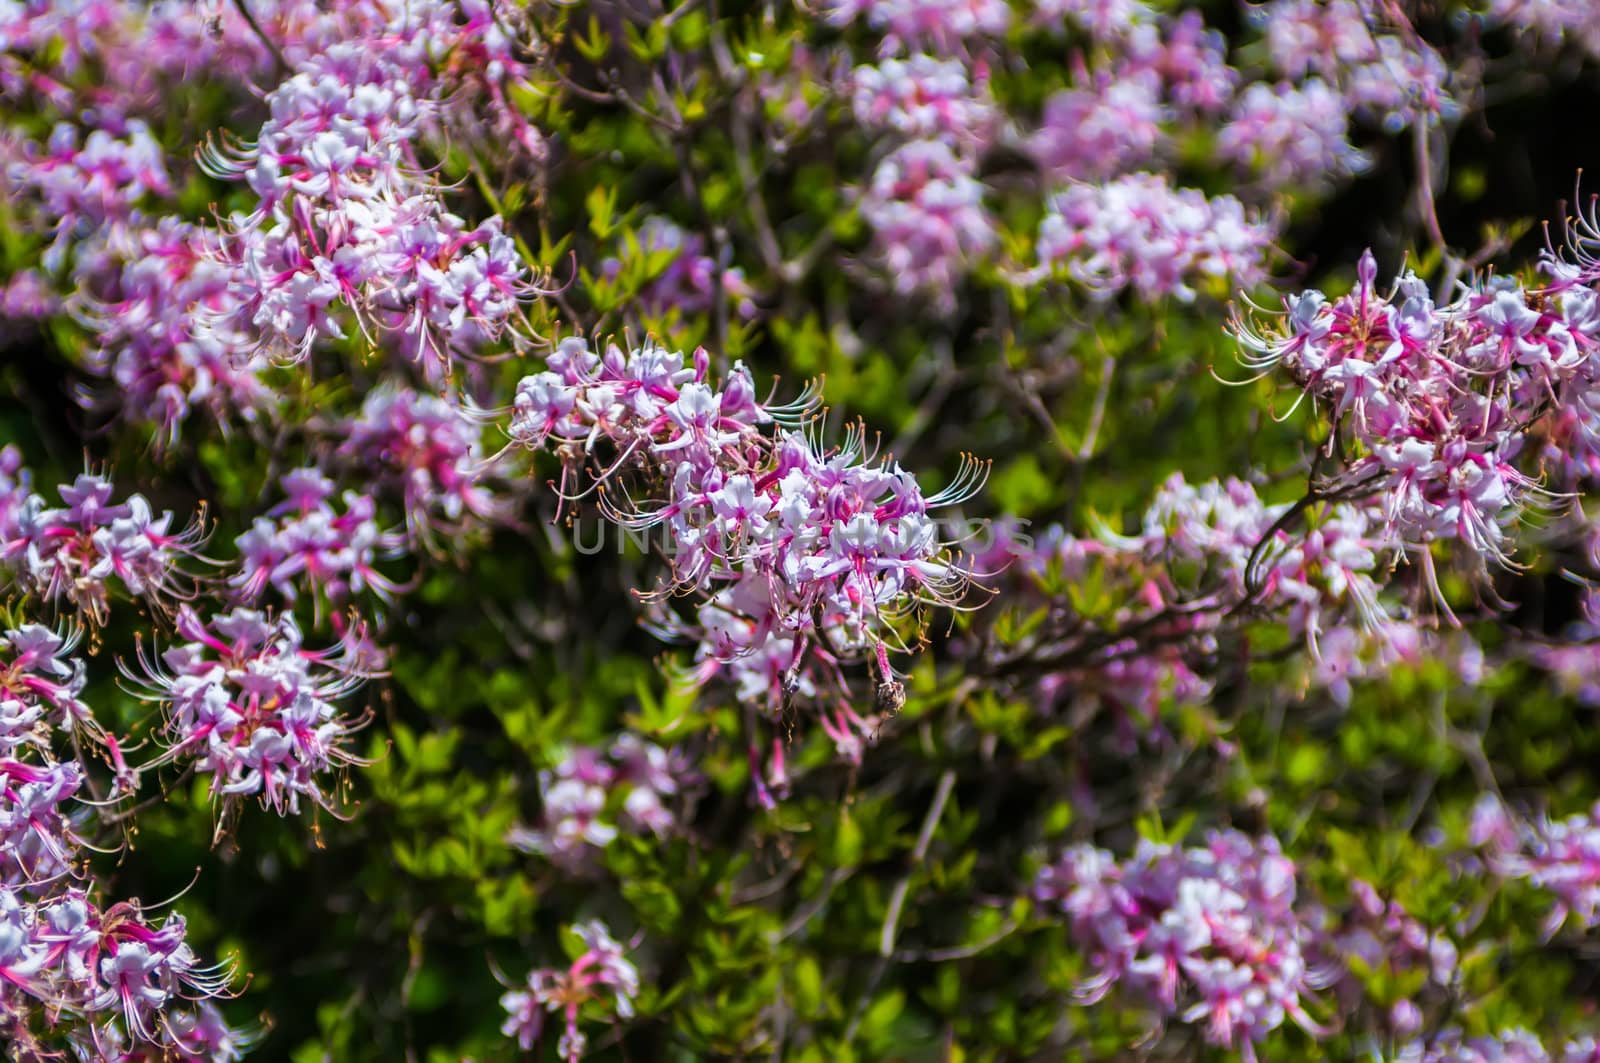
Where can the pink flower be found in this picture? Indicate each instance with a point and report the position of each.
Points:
(1207, 934)
(82, 550)
(247, 703)
(1138, 233)
(925, 206)
(602, 967)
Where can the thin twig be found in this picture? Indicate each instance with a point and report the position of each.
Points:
(766, 236)
(804, 915)
(959, 952)
(1091, 434)
(897, 899)
(267, 42)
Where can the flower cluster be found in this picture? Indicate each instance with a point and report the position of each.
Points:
(26, 297)
(1572, 424)
(925, 206)
(84, 185)
(1380, 939)
(39, 695)
(477, 51)
(1432, 403)
(1386, 73)
(350, 230)
(37, 834)
(1291, 136)
(1574, 669)
(149, 339)
(800, 556)
(1143, 89)
(1101, 129)
(428, 447)
(110, 59)
(1151, 77)
(601, 968)
(305, 539)
(1551, 22)
(941, 26)
(590, 792)
(1307, 38)
(122, 977)
(1207, 934)
(1102, 20)
(1180, 62)
(106, 975)
(1138, 233)
(923, 96)
(248, 703)
(79, 552)
(1155, 75)
(1190, 59)
(1561, 856)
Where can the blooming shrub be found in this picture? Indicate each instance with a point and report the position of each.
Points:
(999, 529)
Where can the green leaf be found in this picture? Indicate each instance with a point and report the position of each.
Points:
(596, 45)
(847, 841)
(601, 203)
(875, 1025)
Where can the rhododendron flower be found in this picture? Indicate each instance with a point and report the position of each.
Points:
(801, 558)
(85, 182)
(1291, 136)
(1138, 233)
(926, 210)
(600, 968)
(924, 96)
(304, 539)
(430, 448)
(1437, 397)
(1206, 935)
(1561, 856)
(1102, 129)
(153, 342)
(943, 26)
(350, 232)
(80, 551)
(1452, 1045)
(752, 507)
(591, 792)
(247, 703)
(1105, 20)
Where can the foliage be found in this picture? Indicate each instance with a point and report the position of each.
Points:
(721, 530)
